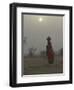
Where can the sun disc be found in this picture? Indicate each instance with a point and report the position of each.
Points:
(40, 19)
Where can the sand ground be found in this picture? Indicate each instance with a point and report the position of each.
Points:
(40, 65)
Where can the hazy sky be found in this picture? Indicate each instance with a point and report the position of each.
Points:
(38, 27)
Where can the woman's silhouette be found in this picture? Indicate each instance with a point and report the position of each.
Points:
(50, 52)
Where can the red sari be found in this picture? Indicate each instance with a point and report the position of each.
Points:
(50, 56)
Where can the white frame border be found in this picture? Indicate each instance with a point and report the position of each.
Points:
(45, 77)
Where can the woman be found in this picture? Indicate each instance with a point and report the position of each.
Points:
(50, 52)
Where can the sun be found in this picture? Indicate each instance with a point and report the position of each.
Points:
(40, 19)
